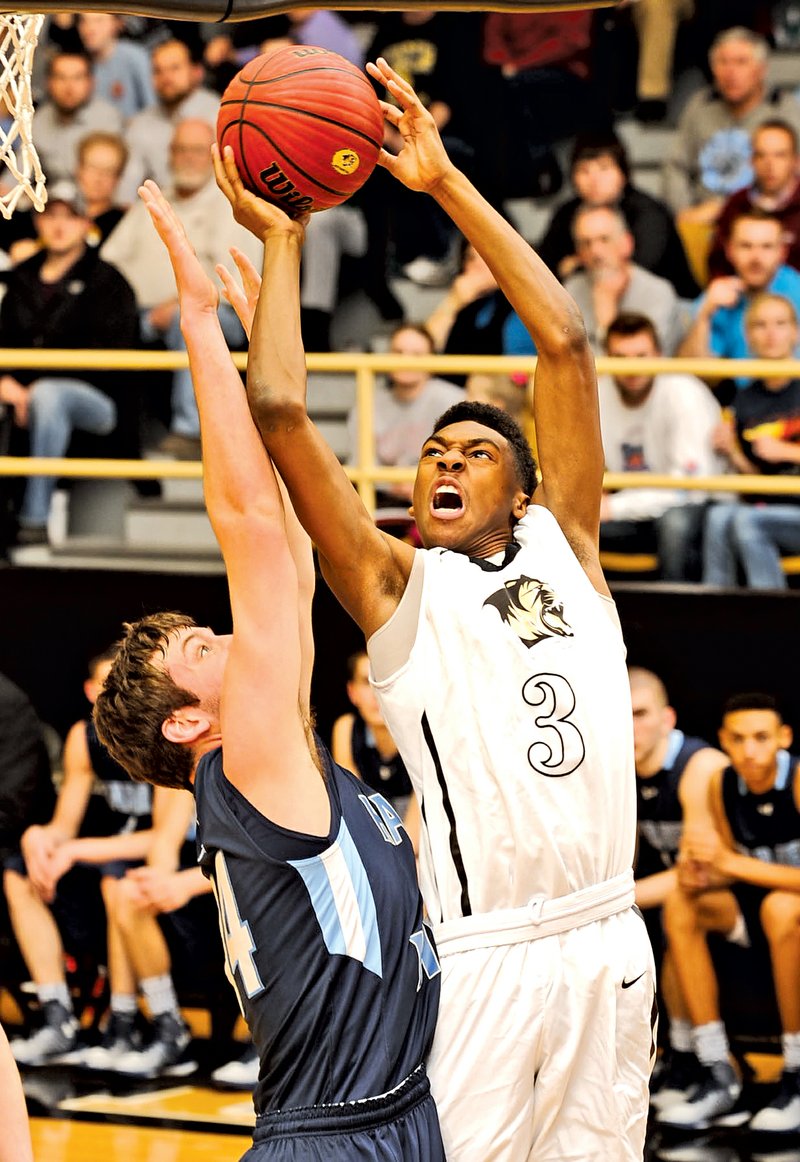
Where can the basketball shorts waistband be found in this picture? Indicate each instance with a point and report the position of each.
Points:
(538, 918)
(347, 1116)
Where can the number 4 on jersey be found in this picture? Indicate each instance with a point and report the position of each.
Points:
(236, 935)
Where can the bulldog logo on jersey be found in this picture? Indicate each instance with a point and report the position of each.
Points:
(530, 609)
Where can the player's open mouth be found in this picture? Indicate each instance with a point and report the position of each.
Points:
(447, 503)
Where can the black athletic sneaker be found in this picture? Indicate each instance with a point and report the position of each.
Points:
(677, 1074)
(167, 1055)
(119, 1039)
(782, 1115)
(715, 1095)
(55, 1039)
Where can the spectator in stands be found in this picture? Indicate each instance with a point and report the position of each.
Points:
(134, 248)
(70, 112)
(469, 319)
(760, 434)
(338, 233)
(171, 873)
(179, 96)
(26, 788)
(326, 29)
(710, 156)
(361, 742)
(121, 67)
(29, 884)
(65, 296)
(439, 54)
(406, 410)
(600, 173)
(755, 804)
(775, 189)
(673, 772)
(608, 284)
(101, 160)
(545, 63)
(656, 23)
(757, 253)
(655, 423)
(16, 1144)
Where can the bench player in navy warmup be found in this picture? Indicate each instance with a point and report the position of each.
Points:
(314, 876)
(499, 663)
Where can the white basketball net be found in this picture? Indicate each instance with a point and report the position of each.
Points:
(19, 36)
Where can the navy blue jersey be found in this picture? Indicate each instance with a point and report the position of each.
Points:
(658, 807)
(336, 973)
(389, 776)
(765, 826)
(124, 805)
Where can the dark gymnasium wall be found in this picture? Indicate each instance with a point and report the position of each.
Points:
(704, 645)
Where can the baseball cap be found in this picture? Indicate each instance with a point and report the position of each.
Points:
(67, 192)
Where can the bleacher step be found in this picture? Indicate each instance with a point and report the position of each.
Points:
(170, 524)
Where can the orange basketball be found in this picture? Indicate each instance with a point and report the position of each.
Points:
(305, 127)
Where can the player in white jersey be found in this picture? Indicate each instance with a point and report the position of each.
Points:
(499, 662)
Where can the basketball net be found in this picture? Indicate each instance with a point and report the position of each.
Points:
(19, 36)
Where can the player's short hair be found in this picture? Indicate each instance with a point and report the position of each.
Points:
(137, 698)
(499, 421)
(629, 323)
(604, 143)
(639, 676)
(781, 125)
(753, 700)
(95, 662)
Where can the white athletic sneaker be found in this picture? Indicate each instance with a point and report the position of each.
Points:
(241, 1073)
(119, 1039)
(51, 1043)
(782, 1115)
(716, 1094)
(167, 1055)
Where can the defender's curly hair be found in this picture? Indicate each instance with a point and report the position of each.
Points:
(501, 422)
(138, 696)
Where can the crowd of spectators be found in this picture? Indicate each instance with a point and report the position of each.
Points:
(527, 105)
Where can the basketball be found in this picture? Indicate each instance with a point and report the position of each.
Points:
(305, 127)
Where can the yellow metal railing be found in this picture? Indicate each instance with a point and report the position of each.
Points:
(365, 473)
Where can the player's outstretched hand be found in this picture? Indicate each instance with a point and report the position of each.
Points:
(195, 289)
(422, 163)
(257, 215)
(243, 296)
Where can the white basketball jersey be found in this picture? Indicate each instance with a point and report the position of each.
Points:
(513, 715)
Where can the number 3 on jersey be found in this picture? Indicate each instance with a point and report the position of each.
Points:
(236, 935)
(558, 749)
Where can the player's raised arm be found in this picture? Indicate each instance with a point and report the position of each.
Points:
(367, 570)
(565, 394)
(266, 749)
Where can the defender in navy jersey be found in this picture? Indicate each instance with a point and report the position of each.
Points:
(673, 773)
(319, 910)
(96, 798)
(499, 665)
(755, 804)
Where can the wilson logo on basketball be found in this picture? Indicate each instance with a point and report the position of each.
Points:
(345, 161)
(282, 190)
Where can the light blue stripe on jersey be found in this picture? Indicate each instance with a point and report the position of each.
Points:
(341, 896)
